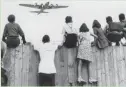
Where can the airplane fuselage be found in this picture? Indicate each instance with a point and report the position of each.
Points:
(43, 7)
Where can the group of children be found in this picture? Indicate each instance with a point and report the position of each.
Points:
(72, 40)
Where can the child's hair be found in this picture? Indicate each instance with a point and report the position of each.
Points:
(46, 39)
(96, 24)
(109, 19)
(121, 17)
(68, 19)
(84, 28)
(11, 18)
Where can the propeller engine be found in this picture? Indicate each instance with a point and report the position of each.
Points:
(36, 4)
(40, 6)
(51, 5)
(56, 4)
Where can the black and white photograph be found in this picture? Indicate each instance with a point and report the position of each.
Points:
(63, 42)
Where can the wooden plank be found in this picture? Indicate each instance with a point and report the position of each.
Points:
(123, 83)
(32, 67)
(31, 73)
(25, 64)
(99, 69)
(65, 68)
(69, 71)
(36, 62)
(7, 65)
(115, 66)
(12, 68)
(106, 52)
(103, 67)
(37, 58)
(121, 69)
(93, 65)
(18, 66)
(124, 59)
(24, 67)
(111, 66)
(59, 78)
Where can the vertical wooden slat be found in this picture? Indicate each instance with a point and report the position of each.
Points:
(65, 69)
(58, 77)
(115, 66)
(107, 75)
(25, 65)
(121, 66)
(124, 62)
(37, 65)
(111, 67)
(9, 65)
(24, 70)
(99, 68)
(31, 74)
(103, 67)
(12, 68)
(18, 66)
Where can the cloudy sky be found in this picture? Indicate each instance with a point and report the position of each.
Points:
(35, 26)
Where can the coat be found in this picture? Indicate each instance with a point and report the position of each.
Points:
(101, 41)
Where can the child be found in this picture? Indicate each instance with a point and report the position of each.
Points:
(12, 31)
(84, 51)
(70, 33)
(123, 23)
(47, 68)
(69, 48)
(101, 42)
(113, 31)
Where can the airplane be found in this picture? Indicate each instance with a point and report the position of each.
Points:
(42, 7)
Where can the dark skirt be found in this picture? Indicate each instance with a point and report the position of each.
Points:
(13, 42)
(46, 79)
(71, 41)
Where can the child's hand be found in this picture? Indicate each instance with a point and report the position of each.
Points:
(60, 46)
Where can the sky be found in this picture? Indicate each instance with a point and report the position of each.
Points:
(35, 26)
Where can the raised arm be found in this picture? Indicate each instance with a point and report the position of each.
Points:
(93, 35)
(95, 32)
(21, 33)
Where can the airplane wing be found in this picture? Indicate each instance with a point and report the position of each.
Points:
(29, 5)
(41, 11)
(56, 7)
(38, 12)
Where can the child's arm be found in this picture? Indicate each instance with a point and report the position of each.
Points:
(79, 39)
(93, 35)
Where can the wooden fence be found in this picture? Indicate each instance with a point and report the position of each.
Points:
(108, 66)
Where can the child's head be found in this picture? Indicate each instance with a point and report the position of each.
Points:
(84, 28)
(109, 19)
(96, 24)
(46, 39)
(11, 18)
(121, 17)
(68, 19)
